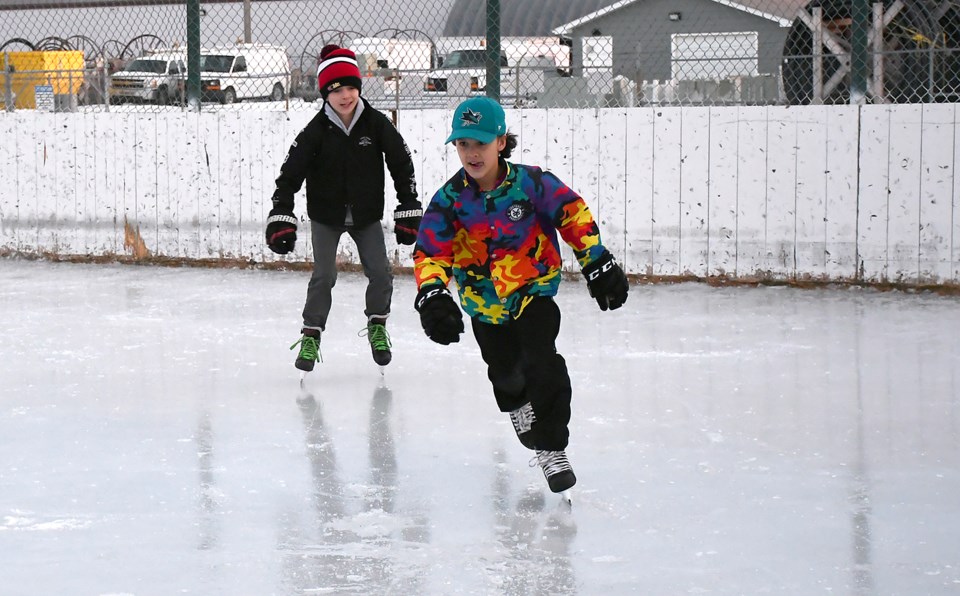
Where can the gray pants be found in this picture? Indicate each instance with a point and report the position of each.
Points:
(373, 258)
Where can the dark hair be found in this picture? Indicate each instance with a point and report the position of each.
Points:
(511, 145)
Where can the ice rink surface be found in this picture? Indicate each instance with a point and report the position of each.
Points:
(154, 439)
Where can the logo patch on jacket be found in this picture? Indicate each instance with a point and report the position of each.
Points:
(517, 211)
(365, 141)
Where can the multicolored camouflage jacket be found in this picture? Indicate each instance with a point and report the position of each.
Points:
(501, 245)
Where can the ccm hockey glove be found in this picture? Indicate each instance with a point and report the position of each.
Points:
(607, 282)
(439, 314)
(281, 231)
(406, 220)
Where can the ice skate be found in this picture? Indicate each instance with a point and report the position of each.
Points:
(376, 332)
(523, 419)
(309, 353)
(557, 470)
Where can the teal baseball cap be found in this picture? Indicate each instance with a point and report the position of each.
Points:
(479, 118)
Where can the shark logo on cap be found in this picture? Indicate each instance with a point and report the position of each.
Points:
(469, 117)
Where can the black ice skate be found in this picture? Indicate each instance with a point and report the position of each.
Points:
(309, 349)
(523, 419)
(556, 469)
(379, 339)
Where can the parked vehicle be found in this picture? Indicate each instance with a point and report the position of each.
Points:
(463, 72)
(245, 71)
(158, 77)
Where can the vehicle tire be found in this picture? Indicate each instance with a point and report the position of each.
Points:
(277, 93)
(163, 98)
(230, 95)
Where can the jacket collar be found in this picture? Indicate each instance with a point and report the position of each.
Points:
(332, 116)
(509, 176)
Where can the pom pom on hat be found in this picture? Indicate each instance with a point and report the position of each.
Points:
(338, 68)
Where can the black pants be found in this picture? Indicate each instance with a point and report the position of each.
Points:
(523, 365)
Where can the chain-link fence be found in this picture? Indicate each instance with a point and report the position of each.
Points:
(128, 55)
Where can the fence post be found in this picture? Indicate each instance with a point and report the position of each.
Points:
(493, 50)
(516, 85)
(193, 55)
(396, 88)
(859, 37)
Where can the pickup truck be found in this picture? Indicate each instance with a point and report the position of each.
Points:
(158, 77)
(463, 72)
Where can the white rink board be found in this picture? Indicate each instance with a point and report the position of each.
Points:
(814, 192)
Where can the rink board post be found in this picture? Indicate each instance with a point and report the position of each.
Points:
(438, 167)
(142, 237)
(955, 233)
(561, 160)
(751, 223)
(694, 193)
(811, 192)
(44, 183)
(722, 210)
(230, 198)
(207, 217)
(610, 201)
(781, 194)
(840, 219)
(936, 193)
(665, 241)
(585, 181)
(85, 180)
(904, 192)
(873, 196)
(534, 139)
(9, 189)
(65, 181)
(638, 186)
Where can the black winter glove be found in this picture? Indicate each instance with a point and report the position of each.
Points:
(607, 282)
(406, 222)
(439, 314)
(281, 231)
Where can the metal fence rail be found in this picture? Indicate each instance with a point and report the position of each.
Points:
(529, 53)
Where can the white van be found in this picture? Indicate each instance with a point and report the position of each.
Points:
(158, 76)
(245, 71)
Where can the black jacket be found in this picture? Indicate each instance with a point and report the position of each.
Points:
(341, 170)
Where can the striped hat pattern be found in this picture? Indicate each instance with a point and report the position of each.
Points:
(338, 68)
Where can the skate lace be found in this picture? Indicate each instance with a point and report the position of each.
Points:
(309, 348)
(523, 418)
(378, 336)
(552, 462)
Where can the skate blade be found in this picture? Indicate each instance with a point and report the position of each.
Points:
(566, 498)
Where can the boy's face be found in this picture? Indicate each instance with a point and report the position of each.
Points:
(344, 100)
(481, 160)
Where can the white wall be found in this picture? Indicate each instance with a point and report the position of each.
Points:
(837, 193)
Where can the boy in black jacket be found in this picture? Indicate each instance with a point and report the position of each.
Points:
(340, 154)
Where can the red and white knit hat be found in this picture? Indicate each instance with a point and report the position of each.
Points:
(338, 68)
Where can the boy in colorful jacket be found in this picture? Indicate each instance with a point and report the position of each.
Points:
(493, 228)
